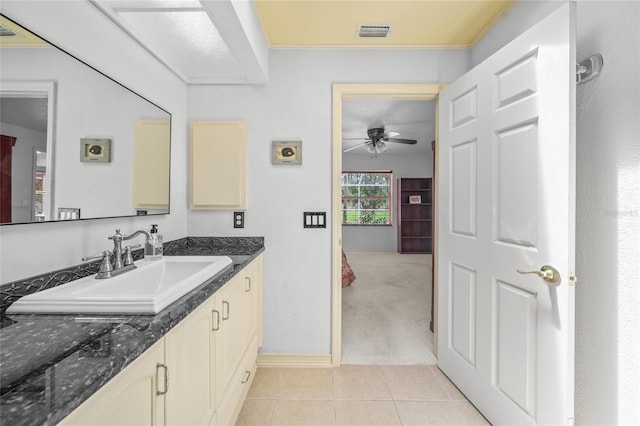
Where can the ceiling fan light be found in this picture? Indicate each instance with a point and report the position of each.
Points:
(381, 147)
(371, 149)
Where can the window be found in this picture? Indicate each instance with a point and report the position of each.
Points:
(366, 198)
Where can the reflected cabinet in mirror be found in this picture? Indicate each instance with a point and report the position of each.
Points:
(74, 143)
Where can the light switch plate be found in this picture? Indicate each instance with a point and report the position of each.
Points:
(238, 219)
(314, 220)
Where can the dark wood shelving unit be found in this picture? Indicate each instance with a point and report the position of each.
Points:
(415, 218)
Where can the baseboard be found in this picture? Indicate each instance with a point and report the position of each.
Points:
(294, 360)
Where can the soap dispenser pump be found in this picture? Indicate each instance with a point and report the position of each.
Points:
(153, 246)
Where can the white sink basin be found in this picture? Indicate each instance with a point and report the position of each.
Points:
(146, 290)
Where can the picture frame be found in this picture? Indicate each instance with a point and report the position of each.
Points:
(94, 150)
(415, 199)
(286, 152)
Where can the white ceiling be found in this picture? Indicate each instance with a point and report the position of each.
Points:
(30, 113)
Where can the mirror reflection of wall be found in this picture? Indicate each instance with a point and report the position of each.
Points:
(82, 104)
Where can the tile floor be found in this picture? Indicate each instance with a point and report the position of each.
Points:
(356, 395)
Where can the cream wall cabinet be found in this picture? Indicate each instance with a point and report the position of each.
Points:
(209, 359)
(218, 165)
(151, 157)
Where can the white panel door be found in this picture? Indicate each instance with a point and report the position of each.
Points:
(506, 202)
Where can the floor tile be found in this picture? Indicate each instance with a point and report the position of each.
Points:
(303, 413)
(265, 383)
(363, 382)
(366, 413)
(471, 415)
(306, 383)
(451, 389)
(256, 412)
(414, 383)
(430, 413)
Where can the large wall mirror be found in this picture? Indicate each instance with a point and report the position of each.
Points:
(74, 143)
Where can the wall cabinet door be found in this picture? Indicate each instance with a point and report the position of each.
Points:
(130, 398)
(190, 357)
(218, 165)
(151, 157)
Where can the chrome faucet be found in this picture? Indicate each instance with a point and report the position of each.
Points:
(119, 260)
(118, 238)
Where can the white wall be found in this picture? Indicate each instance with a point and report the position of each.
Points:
(607, 365)
(608, 217)
(82, 30)
(296, 104)
(382, 238)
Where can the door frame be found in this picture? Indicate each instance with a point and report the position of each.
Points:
(341, 92)
(39, 89)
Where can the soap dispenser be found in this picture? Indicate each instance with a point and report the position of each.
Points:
(153, 246)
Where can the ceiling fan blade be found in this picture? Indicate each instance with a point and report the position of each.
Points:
(390, 134)
(397, 140)
(355, 139)
(354, 147)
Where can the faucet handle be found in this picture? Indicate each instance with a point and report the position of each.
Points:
(105, 265)
(128, 259)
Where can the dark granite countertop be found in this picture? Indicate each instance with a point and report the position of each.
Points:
(50, 364)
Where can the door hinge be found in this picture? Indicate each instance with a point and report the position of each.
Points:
(572, 279)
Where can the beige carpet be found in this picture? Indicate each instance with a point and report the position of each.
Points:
(386, 311)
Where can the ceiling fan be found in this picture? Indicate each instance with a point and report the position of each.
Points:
(376, 143)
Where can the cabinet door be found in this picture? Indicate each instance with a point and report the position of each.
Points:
(151, 155)
(218, 165)
(228, 342)
(250, 303)
(190, 353)
(130, 398)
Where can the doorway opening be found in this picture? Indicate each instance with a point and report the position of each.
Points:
(27, 114)
(386, 240)
(342, 93)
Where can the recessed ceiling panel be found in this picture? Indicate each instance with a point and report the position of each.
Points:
(187, 39)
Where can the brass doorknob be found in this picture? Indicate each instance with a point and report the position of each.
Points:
(547, 273)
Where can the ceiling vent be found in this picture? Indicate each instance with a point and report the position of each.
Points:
(6, 32)
(373, 31)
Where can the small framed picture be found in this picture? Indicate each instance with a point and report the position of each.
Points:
(286, 152)
(415, 199)
(95, 150)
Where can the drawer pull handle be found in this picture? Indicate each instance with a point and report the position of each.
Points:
(216, 323)
(246, 378)
(166, 379)
(225, 317)
(248, 280)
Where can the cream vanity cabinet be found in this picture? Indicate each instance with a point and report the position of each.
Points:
(197, 374)
(130, 398)
(218, 165)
